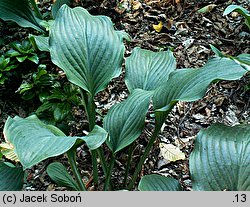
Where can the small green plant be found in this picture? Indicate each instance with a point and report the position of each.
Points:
(23, 51)
(16, 58)
(56, 107)
(91, 55)
(220, 161)
(56, 97)
(6, 67)
(240, 10)
(39, 85)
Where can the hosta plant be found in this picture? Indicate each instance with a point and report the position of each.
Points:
(219, 162)
(91, 54)
(181, 85)
(100, 61)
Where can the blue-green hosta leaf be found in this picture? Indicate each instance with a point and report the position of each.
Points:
(191, 84)
(156, 182)
(42, 43)
(35, 141)
(125, 121)
(20, 12)
(221, 159)
(245, 58)
(59, 174)
(11, 177)
(86, 47)
(217, 52)
(240, 10)
(57, 5)
(148, 70)
(47, 24)
(242, 59)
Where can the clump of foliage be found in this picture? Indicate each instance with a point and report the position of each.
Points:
(57, 106)
(13, 61)
(23, 51)
(6, 67)
(39, 84)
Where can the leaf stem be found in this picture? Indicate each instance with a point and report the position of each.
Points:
(159, 120)
(130, 153)
(90, 108)
(103, 160)
(108, 177)
(91, 114)
(104, 164)
(72, 161)
(95, 167)
(36, 9)
(143, 158)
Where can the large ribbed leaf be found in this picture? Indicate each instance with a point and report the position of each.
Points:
(125, 121)
(221, 159)
(57, 5)
(11, 177)
(148, 70)
(42, 43)
(35, 141)
(86, 47)
(59, 174)
(191, 84)
(243, 60)
(156, 182)
(20, 12)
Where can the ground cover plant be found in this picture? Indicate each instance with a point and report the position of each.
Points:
(91, 55)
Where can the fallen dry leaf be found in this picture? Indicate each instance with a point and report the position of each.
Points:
(7, 150)
(149, 2)
(136, 5)
(169, 24)
(158, 27)
(171, 153)
(234, 14)
(207, 9)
